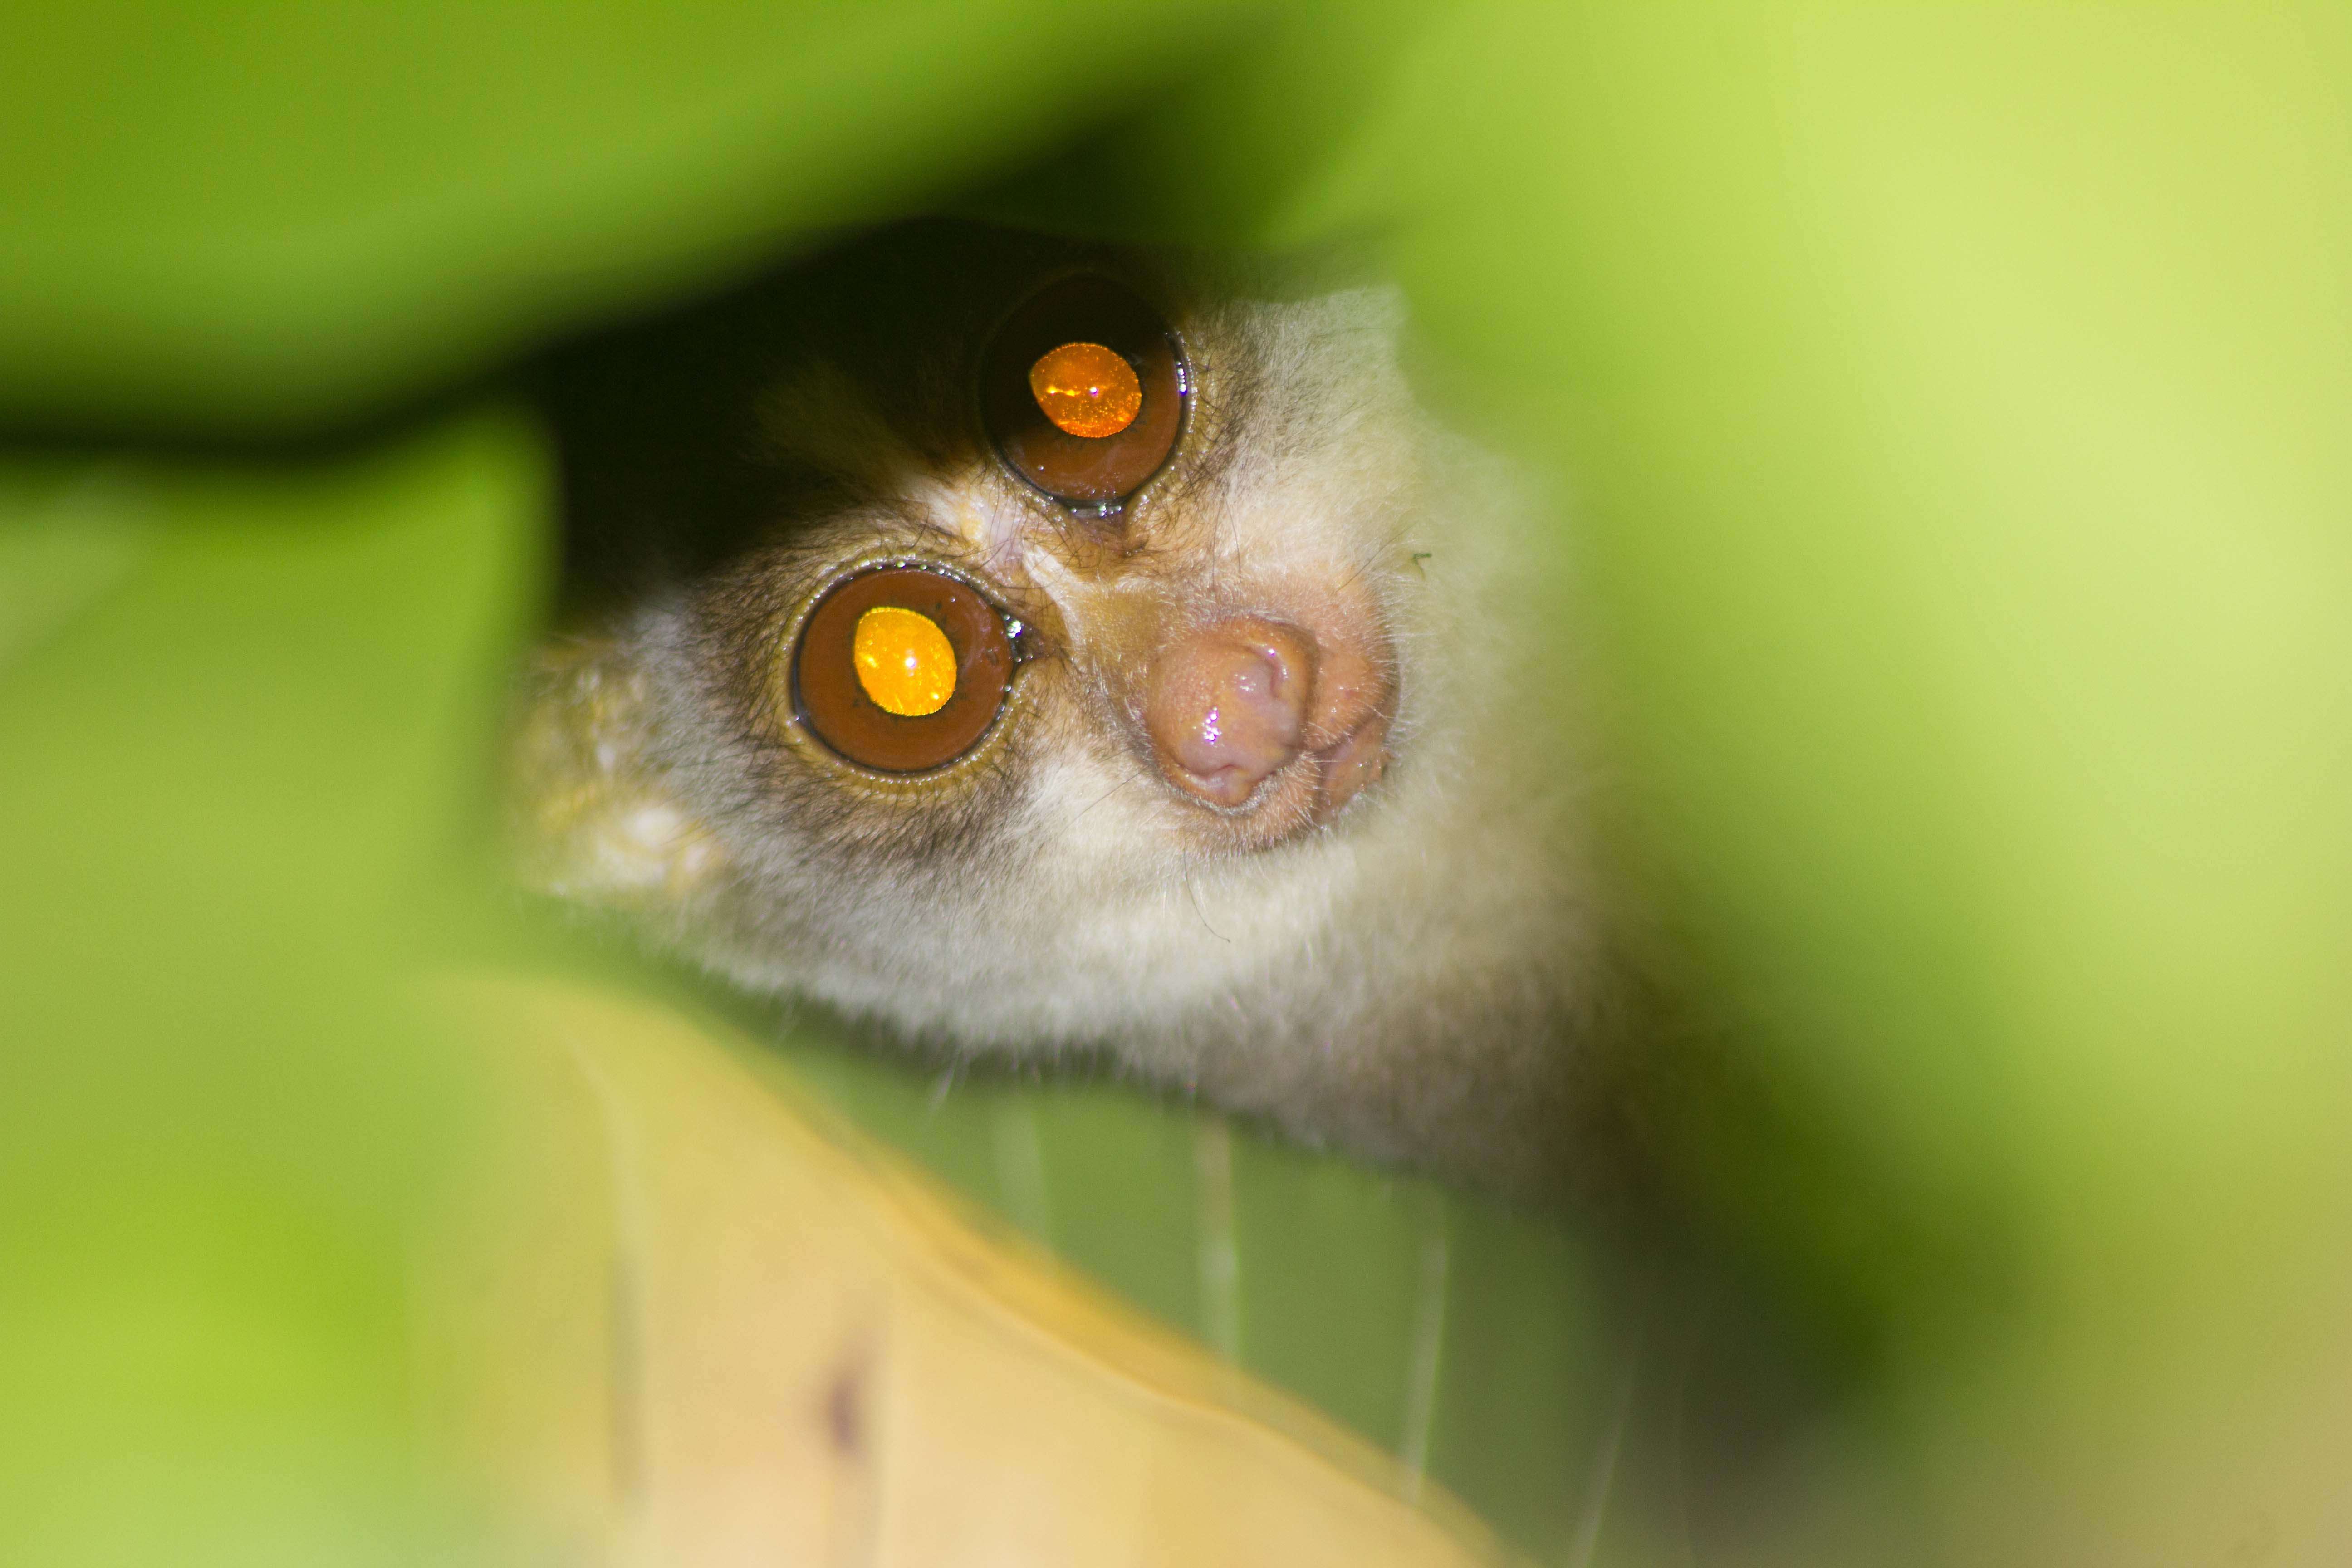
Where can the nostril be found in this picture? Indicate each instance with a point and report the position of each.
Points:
(1227, 704)
(1354, 764)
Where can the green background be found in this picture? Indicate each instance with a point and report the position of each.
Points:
(1951, 407)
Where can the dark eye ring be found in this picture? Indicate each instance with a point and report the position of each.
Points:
(901, 668)
(1083, 391)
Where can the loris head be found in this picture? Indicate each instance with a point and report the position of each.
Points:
(1041, 648)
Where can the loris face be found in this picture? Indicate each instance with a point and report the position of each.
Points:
(1039, 649)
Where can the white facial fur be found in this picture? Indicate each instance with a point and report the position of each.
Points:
(1417, 978)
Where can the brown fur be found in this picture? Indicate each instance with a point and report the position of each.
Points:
(1420, 980)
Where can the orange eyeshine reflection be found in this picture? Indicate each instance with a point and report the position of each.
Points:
(1087, 389)
(904, 661)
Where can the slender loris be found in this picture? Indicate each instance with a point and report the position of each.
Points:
(1047, 650)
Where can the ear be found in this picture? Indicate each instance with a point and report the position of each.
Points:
(587, 816)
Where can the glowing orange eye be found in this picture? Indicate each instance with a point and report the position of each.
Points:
(904, 661)
(1083, 391)
(901, 669)
(1086, 390)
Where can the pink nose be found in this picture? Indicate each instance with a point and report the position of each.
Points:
(1227, 706)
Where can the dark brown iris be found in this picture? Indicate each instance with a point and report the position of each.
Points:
(1035, 420)
(839, 706)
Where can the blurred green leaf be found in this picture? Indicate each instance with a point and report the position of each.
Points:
(231, 219)
(238, 768)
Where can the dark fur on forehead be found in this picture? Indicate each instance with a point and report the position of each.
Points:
(902, 316)
(672, 457)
